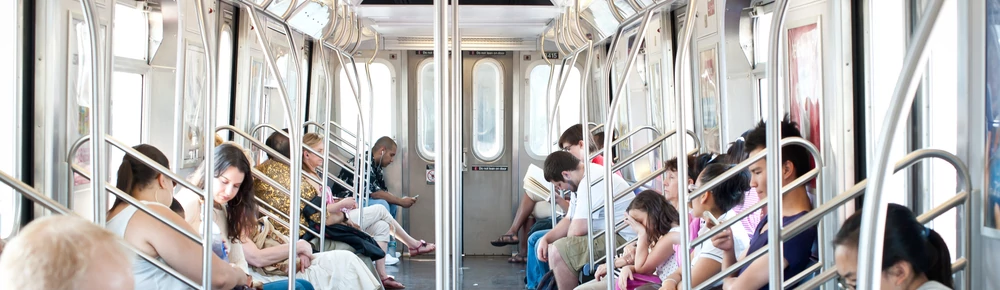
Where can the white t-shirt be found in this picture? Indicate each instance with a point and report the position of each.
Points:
(741, 240)
(933, 285)
(578, 208)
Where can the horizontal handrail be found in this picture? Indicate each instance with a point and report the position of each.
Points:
(281, 217)
(638, 154)
(46, 202)
(632, 188)
(307, 148)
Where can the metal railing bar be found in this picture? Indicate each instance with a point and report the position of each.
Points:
(953, 202)
(651, 145)
(735, 267)
(46, 202)
(281, 217)
(283, 159)
(752, 159)
(283, 133)
(134, 202)
(816, 267)
(871, 236)
(818, 280)
(152, 164)
(682, 67)
(632, 187)
(344, 130)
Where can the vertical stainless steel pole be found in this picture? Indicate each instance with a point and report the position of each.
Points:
(98, 118)
(210, 43)
(442, 140)
(773, 159)
(328, 96)
(872, 232)
(681, 68)
(456, 126)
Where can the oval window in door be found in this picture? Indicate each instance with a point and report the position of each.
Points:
(487, 110)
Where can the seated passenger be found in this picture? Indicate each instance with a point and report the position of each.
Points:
(718, 201)
(382, 154)
(377, 222)
(156, 239)
(533, 206)
(913, 256)
(235, 220)
(63, 252)
(567, 242)
(657, 226)
(797, 251)
(339, 226)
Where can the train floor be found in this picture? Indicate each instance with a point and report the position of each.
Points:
(477, 272)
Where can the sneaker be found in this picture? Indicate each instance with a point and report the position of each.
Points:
(390, 260)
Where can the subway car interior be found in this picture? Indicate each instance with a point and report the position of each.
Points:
(456, 144)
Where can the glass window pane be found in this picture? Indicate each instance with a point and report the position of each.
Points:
(943, 86)
(762, 30)
(381, 77)
(8, 113)
(487, 112)
(126, 115)
(569, 107)
(225, 77)
(426, 115)
(130, 28)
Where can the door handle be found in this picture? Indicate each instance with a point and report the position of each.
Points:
(465, 166)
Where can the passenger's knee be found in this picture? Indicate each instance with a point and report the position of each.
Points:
(555, 259)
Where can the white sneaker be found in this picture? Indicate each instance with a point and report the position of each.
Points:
(390, 260)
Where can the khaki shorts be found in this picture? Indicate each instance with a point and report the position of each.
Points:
(574, 250)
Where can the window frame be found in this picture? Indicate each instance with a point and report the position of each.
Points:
(499, 112)
(421, 151)
(339, 113)
(528, 123)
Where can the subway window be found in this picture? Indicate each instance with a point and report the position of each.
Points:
(426, 115)
(127, 80)
(487, 109)
(569, 107)
(225, 76)
(381, 89)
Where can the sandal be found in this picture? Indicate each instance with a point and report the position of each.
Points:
(427, 248)
(505, 240)
(517, 259)
(391, 283)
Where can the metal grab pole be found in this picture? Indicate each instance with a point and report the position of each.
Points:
(456, 124)
(773, 160)
(442, 188)
(324, 57)
(296, 148)
(98, 118)
(683, 60)
(870, 244)
(609, 203)
(587, 138)
(210, 42)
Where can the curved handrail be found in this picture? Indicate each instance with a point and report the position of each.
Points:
(902, 99)
(683, 60)
(48, 203)
(961, 198)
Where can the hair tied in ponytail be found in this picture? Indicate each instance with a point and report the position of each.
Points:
(926, 233)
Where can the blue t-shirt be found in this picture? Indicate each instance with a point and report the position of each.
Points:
(797, 250)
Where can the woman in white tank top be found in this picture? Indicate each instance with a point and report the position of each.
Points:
(155, 238)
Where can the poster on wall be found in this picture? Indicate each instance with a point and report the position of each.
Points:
(708, 20)
(708, 87)
(195, 90)
(991, 190)
(805, 78)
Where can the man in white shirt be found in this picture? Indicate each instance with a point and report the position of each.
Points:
(566, 245)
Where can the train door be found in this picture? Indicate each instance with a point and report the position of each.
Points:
(487, 190)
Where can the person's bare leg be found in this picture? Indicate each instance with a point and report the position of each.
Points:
(565, 278)
(523, 211)
(380, 264)
(523, 237)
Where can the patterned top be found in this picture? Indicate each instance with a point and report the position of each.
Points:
(281, 173)
(376, 180)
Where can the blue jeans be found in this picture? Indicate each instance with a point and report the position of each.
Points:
(283, 285)
(535, 269)
(386, 204)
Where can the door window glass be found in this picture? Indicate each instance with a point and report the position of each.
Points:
(487, 110)
(426, 113)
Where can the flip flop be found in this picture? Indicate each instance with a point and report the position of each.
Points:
(505, 240)
(516, 259)
(427, 249)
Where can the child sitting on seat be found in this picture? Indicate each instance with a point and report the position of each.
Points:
(656, 224)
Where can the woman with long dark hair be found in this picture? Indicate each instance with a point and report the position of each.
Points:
(155, 238)
(913, 256)
(235, 216)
